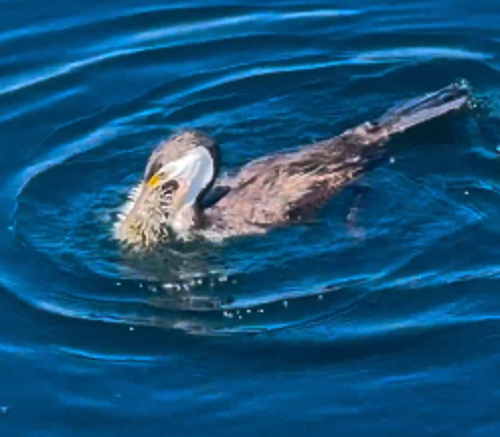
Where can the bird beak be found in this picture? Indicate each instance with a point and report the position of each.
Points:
(154, 181)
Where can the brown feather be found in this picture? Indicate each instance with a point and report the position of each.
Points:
(286, 187)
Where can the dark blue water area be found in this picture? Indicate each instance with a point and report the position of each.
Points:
(379, 318)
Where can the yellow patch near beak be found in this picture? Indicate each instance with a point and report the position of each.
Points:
(154, 181)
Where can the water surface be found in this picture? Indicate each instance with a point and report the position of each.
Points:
(380, 318)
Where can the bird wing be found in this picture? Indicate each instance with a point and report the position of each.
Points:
(287, 187)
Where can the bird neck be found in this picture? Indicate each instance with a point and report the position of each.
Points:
(188, 218)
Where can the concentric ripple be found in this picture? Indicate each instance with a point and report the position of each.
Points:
(260, 81)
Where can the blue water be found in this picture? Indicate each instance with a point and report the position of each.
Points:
(381, 318)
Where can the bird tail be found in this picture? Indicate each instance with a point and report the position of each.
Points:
(421, 109)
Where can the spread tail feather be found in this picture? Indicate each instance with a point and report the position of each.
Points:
(421, 109)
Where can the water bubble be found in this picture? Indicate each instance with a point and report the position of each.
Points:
(131, 328)
(5, 409)
(463, 83)
(392, 160)
(320, 297)
(466, 193)
(118, 284)
(285, 303)
(260, 311)
(249, 311)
